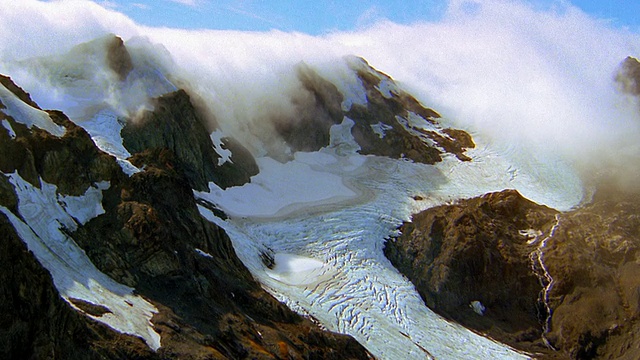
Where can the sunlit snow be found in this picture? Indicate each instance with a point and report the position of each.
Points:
(26, 114)
(7, 125)
(46, 217)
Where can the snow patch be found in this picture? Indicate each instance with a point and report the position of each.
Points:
(477, 307)
(7, 125)
(341, 139)
(28, 115)
(416, 121)
(86, 207)
(202, 253)
(104, 128)
(218, 146)
(278, 186)
(387, 88)
(47, 218)
(295, 269)
(380, 129)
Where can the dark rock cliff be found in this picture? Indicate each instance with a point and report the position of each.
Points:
(558, 285)
(176, 125)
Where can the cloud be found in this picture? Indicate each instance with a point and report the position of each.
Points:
(251, 15)
(509, 71)
(370, 16)
(141, 6)
(186, 2)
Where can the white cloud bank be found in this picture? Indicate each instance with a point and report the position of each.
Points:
(502, 69)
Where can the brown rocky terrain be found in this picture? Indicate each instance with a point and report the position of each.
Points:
(557, 285)
(319, 106)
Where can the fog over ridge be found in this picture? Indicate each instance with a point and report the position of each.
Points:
(505, 70)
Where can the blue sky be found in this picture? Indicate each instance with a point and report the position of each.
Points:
(318, 17)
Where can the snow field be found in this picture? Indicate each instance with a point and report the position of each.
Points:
(26, 114)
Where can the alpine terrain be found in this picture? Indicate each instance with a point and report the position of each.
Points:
(324, 213)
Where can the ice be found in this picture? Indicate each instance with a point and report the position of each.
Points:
(328, 250)
(294, 269)
(46, 219)
(26, 114)
(278, 187)
(7, 125)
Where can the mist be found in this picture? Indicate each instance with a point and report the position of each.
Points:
(542, 79)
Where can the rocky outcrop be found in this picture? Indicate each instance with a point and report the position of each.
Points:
(594, 261)
(557, 285)
(391, 107)
(150, 236)
(476, 251)
(318, 107)
(382, 127)
(36, 323)
(72, 163)
(175, 124)
(118, 57)
(628, 76)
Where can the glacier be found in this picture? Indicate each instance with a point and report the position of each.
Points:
(326, 221)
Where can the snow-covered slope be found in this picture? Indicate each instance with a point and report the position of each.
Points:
(46, 218)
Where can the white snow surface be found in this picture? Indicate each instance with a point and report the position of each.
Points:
(218, 146)
(380, 129)
(278, 187)
(104, 128)
(387, 88)
(297, 270)
(7, 125)
(26, 114)
(46, 216)
(326, 215)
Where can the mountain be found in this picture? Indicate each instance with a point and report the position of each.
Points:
(345, 220)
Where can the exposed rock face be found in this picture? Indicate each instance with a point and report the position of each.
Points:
(150, 236)
(474, 251)
(565, 280)
(594, 259)
(36, 323)
(389, 110)
(175, 124)
(629, 76)
(318, 108)
(118, 57)
(393, 109)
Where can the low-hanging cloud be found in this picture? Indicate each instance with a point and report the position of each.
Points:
(505, 70)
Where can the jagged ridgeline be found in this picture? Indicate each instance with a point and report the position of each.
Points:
(106, 253)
